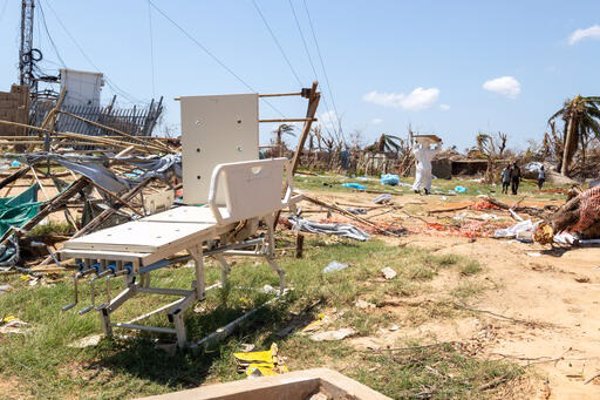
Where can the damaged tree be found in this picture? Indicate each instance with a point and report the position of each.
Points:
(492, 148)
(581, 116)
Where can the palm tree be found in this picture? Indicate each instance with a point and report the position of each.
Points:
(389, 144)
(581, 116)
(283, 129)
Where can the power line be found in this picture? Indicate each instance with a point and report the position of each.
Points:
(210, 54)
(151, 49)
(111, 84)
(49, 35)
(312, 28)
(303, 39)
(310, 57)
(277, 43)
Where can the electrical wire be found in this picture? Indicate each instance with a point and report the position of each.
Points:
(110, 83)
(151, 50)
(311, 61)
(287, 60)
(210, 54)
(49, 35)
(312, 28)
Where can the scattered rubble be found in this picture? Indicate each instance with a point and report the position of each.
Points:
(388, 273)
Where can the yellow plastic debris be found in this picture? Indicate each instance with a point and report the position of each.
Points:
(261, 363)
(7, 319)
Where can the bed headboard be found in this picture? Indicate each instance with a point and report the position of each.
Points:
(250, 189)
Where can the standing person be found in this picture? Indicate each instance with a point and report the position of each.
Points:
(423, 155)
(541, 177)
(515, 178)
(505, 176)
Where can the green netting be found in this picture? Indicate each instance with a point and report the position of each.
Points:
(17, 210)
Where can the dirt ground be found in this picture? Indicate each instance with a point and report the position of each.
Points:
(539, 307)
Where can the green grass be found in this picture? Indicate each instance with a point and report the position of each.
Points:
(333, 183)
(470, 268)
(51, 228)
(45, 367)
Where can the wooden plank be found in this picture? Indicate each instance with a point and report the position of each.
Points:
(313, 103)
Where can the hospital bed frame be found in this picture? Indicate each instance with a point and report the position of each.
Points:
(252, 191)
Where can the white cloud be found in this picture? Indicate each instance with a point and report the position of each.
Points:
(444, 107)
(418, 99)
(328, 118)
(593, 32)
(506, 85)
(376, 121)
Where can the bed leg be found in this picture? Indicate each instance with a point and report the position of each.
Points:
(145, 280)
(270, 220)
(198, 257)
(106, 326)
(225, 268)
(279, 271)
(180, 329)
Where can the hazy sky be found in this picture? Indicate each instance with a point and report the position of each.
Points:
(448, 67)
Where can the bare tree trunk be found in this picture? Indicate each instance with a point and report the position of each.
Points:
(278, 143)
(569, 136)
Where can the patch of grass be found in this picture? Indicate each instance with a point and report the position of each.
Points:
(447, 260)
(437, 372)
(117, 369)
(51, 228)
(470, 268)
(326, 181)
(421, 272)
(467, 289)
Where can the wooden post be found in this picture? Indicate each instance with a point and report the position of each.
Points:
(299, 245)
(13, 177)
(313, 103)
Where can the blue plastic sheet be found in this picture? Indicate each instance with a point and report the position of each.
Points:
(354, 185)
(390, 179)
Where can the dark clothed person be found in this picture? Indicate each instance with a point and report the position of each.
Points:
(515, 179)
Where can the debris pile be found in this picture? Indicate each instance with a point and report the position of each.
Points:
(73, 194)
(580, 215)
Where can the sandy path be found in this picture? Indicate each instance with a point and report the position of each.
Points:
(554, 297)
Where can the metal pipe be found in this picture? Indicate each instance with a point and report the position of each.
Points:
(277, 120)
(280, 94)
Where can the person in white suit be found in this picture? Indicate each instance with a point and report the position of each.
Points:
(424, 153)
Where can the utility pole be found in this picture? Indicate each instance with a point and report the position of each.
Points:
(27, 54)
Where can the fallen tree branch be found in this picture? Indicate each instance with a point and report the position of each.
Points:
(494, 314)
